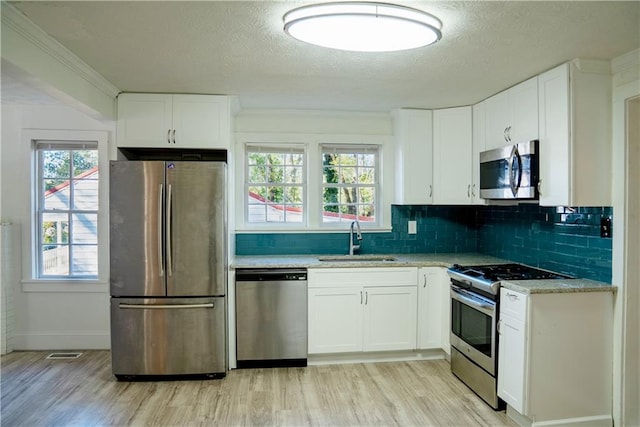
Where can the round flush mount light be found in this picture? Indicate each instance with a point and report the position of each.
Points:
(363, 26)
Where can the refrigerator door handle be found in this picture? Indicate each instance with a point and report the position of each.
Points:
(160, 260)
(169, 249)
(165, 306)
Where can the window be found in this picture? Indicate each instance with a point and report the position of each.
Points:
(275, 185)
(349, 184)
(67, 189)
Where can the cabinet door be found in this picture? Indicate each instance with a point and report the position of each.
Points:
(512, 362)
(144, 120)
(430, 308)
(390, 318)
(523, 101)
(497, 120)
(200, 121)
(452, 153)
(555, 166)
(335, 319)
(413, 140)
(479, 116)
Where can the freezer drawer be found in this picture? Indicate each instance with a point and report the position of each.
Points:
(168, 336)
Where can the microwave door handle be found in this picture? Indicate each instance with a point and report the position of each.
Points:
(515, 174)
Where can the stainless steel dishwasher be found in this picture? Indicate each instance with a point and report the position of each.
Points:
(271, 317)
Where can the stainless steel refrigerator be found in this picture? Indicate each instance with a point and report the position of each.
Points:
(168, 268)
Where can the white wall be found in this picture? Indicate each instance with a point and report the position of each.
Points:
(626, 364)
(66, 315)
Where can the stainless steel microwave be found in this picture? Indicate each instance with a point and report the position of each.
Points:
(510, 172)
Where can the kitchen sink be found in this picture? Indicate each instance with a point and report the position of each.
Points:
(356, 258)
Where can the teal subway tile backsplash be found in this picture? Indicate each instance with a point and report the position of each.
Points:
(562, 239)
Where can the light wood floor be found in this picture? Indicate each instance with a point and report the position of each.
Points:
(82, 392)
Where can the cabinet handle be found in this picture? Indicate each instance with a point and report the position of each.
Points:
(512, 297)
(539, 187)
(366, 298)
(506, 138)
(424, 283)
(469, 190)
(168, 136)
(509, 133)
(360, 297)
(473, 190)
(498, 326)
(430, 190)
(174, 136)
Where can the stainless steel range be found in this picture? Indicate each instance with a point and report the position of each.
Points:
(475, 301)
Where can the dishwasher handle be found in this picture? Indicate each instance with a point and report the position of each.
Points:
(271, 274)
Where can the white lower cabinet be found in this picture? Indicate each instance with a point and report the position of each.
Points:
(434, 309)
(555, 356)
(362, 309)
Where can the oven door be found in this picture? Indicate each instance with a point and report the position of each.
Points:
(473, 327)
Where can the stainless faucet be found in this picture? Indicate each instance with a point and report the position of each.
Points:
(358, 235)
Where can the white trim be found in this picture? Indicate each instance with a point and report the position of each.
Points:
(22, 25)
(28, 268)
(66, 340)
(313, 142)
(65, 286)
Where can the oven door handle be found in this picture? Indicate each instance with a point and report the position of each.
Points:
(488, 309)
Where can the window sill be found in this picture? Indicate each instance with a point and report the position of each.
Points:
(94, 286)
(308, 230)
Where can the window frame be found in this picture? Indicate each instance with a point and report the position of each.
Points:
(30, 281)
(311, 141)
(280, 149)
(352, 149)
(40, 147)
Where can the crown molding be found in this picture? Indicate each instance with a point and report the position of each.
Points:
(18, 22)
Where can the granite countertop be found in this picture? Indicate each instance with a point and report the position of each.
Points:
(557, 286)
(422, 260)
(400, 260)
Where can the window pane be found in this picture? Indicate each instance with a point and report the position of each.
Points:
(258, 174)
(293, 195)
(276, 174)
(275, 194)
(56, 163)
(84, 261)
(84, 161)
(56, 194)
(85, 194)
(366, 175)
(55, 260)
(55, 228)
(293, 175)
(84, 228)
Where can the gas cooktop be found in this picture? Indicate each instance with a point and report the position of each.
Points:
(488, 277)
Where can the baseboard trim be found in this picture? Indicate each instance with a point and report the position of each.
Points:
(90, 340)
(592, 421)
(382, 356)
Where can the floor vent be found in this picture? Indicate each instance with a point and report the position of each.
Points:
(57, 356)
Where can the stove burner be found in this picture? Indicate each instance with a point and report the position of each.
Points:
(497, 272)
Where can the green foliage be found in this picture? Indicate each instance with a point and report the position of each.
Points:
(60, 165)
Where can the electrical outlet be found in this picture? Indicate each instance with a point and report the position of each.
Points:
(412, 227)
(605, 227)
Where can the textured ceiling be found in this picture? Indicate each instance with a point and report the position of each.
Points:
(239, 48)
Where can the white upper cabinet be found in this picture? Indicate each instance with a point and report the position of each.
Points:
(575, 135)
(413, 139)
(512, 115)
(452, 156)
(173, 121)
(479, 145)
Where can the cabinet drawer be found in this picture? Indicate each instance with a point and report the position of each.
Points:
(384, 276)
(513, 304)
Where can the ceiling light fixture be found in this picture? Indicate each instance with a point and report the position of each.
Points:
(363, 26)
